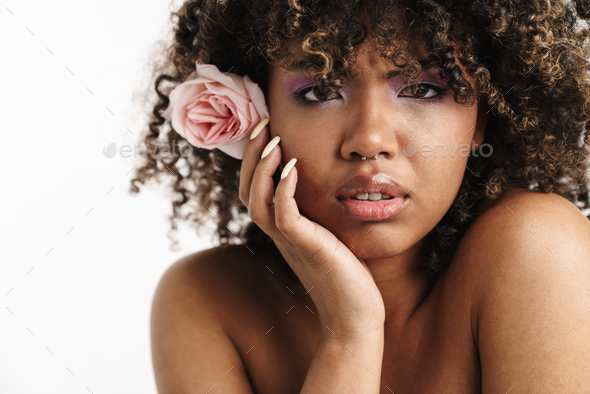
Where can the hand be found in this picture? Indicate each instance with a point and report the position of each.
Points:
(344, 291)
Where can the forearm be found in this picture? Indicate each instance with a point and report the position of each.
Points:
(351, 365)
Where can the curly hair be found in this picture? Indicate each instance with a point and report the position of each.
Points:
(529, 61)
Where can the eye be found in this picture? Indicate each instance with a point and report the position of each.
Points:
(304, 96)
(303, 93)
(422, 90)
(426, 93)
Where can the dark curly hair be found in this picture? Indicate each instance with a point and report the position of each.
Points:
(529, 61)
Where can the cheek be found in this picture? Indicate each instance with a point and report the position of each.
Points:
(440, 158)
(306, 140)
(314, 183)
(449, 135)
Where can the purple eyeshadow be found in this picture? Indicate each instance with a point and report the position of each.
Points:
(296, 83)
(429, 76)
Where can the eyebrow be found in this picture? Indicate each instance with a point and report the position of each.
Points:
(426, 64)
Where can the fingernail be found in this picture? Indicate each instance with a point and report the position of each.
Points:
(288, 167)
(270, 146)
(258, 128)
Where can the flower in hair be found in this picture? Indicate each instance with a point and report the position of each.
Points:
(211, 109)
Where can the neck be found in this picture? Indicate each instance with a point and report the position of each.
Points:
(402, 286)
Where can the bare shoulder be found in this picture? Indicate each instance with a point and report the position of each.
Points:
(218, 277)
(529, 257)
(192, 346)
(502, 220)
(523, 217)
(531, 202)
(521, 224)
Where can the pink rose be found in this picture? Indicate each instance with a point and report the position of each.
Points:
(212, 109)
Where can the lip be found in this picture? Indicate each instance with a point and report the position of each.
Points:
(378, 183)
(373, 210)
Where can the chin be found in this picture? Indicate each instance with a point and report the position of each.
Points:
(377, 249)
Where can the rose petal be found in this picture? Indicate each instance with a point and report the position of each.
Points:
(233, 81)
(257, 96)
(235, 149)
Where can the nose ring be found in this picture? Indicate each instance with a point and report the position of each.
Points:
(364, 158)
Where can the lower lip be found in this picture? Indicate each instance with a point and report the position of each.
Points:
(374, 210)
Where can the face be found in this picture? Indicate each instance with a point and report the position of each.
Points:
(375, 116)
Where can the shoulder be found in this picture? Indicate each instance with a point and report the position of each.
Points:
(530, 230)
(530, 256)
(220, 280)
(206, 264)
(530, 201)
(522, 215)
(210, 273)
(192, 348)
(190, 286)
(199, 271)
(522, 220)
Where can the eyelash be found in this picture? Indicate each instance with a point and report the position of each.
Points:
(299, 95)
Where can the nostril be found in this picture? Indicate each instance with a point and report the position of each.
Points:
(374, 157)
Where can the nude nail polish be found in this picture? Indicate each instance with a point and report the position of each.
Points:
(274, 142)
(258, 128)
(288, 167)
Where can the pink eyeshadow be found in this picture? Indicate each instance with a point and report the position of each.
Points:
(429, 76)
(295, 83)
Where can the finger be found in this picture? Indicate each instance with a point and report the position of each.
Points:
(261, 208)
(251, 159)
(295, 227)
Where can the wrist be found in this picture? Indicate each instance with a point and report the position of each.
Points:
(332, 334)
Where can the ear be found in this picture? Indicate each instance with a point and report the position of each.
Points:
(480, 127)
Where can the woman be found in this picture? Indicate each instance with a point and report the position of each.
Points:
(452, 275)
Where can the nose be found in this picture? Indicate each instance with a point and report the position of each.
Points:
(370, 131)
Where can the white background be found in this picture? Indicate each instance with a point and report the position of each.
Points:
(75, 303)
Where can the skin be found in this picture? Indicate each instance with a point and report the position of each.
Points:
(373, 118)
(504, 305)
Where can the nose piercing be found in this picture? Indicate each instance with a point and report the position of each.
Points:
(364, 158)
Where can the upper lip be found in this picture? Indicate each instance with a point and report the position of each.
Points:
(377, 183)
